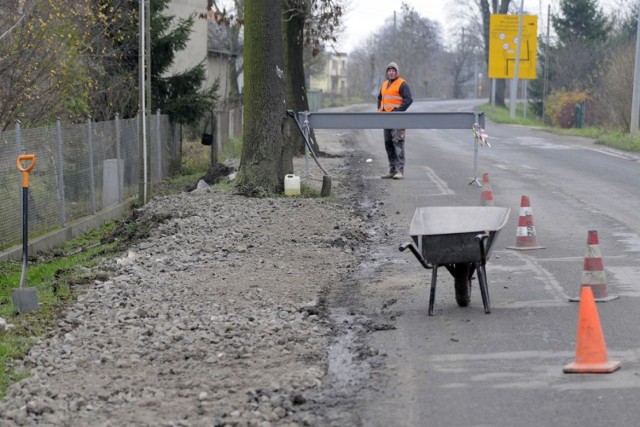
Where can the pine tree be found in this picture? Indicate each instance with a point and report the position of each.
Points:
(573, 62)
(580, 21)
(180, 95)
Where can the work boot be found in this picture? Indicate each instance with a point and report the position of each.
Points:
(398, 175)
(389, 175)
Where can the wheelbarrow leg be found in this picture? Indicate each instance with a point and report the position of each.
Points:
(432, 294)
(484, 291)
(482, 273)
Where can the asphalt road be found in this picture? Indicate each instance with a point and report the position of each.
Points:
(463, 367)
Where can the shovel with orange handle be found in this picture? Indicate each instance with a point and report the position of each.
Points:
(24, 299)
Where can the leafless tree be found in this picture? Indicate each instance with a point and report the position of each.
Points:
(65, 59)
(41, 67)
(413, 42)
(462, 62)
(612, 93)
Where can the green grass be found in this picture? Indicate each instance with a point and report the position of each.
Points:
(56, 280)
(232, 150)
(615, 139)
(622, 141)
(225, 185)
(502, 115)
(177, 183)
(312, 192)
(196, 158)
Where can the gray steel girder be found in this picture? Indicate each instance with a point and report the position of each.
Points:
(400, 120)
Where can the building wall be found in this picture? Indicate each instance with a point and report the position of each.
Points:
(333, 80)
(319, 82)
(196, 49)
(218, 69)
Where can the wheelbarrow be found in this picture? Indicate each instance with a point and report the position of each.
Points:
(459, 239)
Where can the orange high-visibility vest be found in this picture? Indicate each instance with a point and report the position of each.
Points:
(391, 95)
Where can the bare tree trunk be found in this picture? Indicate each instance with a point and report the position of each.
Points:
(234, 48)
(296, 91)
(265, 159)
(486, 10)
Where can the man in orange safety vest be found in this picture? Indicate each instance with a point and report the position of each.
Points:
(394, 95)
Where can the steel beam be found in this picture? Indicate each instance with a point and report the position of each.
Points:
(400, 120)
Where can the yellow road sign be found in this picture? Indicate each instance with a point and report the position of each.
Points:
(503, 42)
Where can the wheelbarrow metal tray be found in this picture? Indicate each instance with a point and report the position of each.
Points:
(447, 234)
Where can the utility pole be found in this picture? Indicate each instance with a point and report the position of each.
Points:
(142, 181)
(395, 32)
(635, 102)
(149, 109)
(373, 75)
(514, 82)
(143, 170)
(545, 78)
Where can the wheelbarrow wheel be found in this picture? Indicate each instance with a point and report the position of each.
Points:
(462, 283)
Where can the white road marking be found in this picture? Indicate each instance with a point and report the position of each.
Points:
(550, 283)
(576, 259)
(521, 370)
(543, 144)
(632, 240)
(442, 189)
(529, 304)
(626, 280)
(610, 153)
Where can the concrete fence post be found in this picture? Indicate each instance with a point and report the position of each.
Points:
(20, 151)
(60, 170)
(118, 157)
(159, 145)
(92, 178)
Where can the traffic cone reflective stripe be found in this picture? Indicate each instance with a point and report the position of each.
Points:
(593, 274)
(486, 194)
(593, 265)
(591, 350)
(526, 231)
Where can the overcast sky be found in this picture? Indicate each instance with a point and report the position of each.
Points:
(363, 17)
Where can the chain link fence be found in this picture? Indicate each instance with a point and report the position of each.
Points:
(80, 170)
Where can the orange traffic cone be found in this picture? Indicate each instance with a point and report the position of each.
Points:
(526, 232)
(486, 194)
(591, 350)
(593, 274)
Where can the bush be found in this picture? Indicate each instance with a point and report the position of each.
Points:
(613, 94)
(560, 107)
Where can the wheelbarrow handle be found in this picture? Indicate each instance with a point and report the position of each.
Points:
(403, 247)
(31, 158)
(415, 252)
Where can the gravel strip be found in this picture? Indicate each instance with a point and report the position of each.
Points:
(218, 318)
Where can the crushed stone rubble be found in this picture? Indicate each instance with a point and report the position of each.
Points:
(217, 318)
